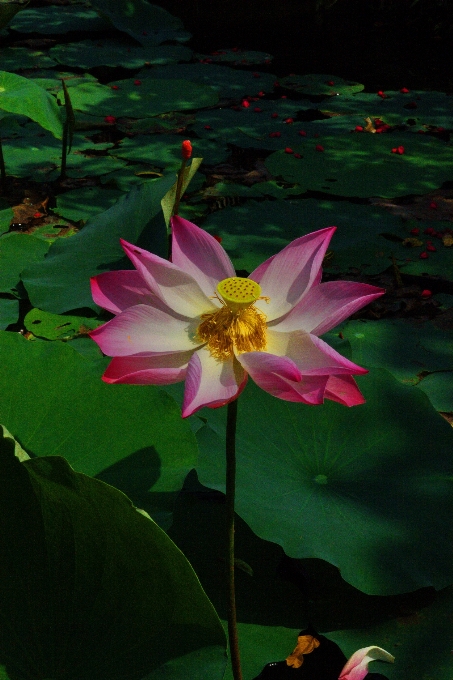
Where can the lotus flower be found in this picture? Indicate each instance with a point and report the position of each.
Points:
(356, 668)
(193, 319)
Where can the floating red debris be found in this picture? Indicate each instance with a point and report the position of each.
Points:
(38, 214)
(288, 150)
(318, 147)
(257, 109)
(261, 94)
(137, 82)
(283, 96)
(330, 82)
(440, 129)
(302, 133)
(429, 231)
(274, 115)
(245, 103)
(186, 149)
(110, 120)
(425, 294)
(358, 128)
(430, 247)
(275, 134)
(115, 87)
(289, 120)
(398, 149)
(433, 205)
(382, 94)
(404, 90)
(276, 84)
(207, 127)
(415, 231)
(424, 256)
(297, 155)
(235, 49)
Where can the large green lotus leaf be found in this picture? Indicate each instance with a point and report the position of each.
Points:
(59, 19)
(130, 175)
(237, 57)
(148, 24)
(39, 154)
(431, 108)
(228, 82)
(110, 593)
(16, 58)
(80, 204)
(421, 642)
(254, 231)
(320, 84)
(22, 96)
(62, 281)
(405, 349)
(132, 437)
(91, 53)
(165, 150)
(439, 389)
(50, 79)
(150, 98)
(364, 165)
(367, 489)
(6, 216)
(9, 312)
(8, 10)
(257, 190)
(58, 326)
(247, 127)
(17, 251)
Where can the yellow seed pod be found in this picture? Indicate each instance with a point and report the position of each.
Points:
(238, 293)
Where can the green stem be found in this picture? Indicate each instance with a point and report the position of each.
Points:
(179, 186)
(229, 502)
(2, 169)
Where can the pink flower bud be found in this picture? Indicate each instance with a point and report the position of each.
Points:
(186, 149)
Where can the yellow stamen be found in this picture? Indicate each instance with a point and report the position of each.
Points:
(237, 325)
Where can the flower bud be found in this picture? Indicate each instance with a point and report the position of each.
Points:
(186, 149)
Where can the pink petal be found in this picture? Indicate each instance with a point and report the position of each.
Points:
(280, 377)
(174, 287)
(287, 276)
(344, 390)
(145, 330)
(356, 667)
(199, 254)
(210, 382)
(310, 354)
(162, 369)
(116, 291)
(327, 305)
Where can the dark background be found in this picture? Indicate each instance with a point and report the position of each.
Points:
(385, 44)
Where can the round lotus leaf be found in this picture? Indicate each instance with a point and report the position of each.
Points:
(228, 82)
(17, 251)
(9, 312)
(80, 204)
(165, 150)
(89, 53)
(146, 98)
(50, 79)
(364, 165)
(54, 20)
(58, 326)
(315, 84)
(16, 58)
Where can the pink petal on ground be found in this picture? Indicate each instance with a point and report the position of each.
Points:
(116, 291)
(199, 254)
(280, 377)
(310, 354)
(210, 382)
(145, 330)
(344, 390)
(173, 286)
(162, 369)
(327, 305)
(287, 276)
(356, 667)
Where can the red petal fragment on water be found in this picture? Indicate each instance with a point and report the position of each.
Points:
(275, 134)
(425, 294)
(261, 94)
(431, 248)
(256, 75)
(257, 109)
(433, 205)
(429, 231)
(38, 214)
(137, 82)
(274, 115)
(207, 127)
(302, 133)
(283, 96)
(382, 94)
(288, 150)
(245, 103)
(115, 87)
(217, 238)
(235, 49)
(318, 147)
(297, 155)
(358, 128)
(289, 120)
(330, 82)
(186, 149)
(415, 231)
(404, 90)
(421, 132)
(440, 129)
(424, 256)
(398, 149)
(411, 105)
(110, 119)
(276, 84)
